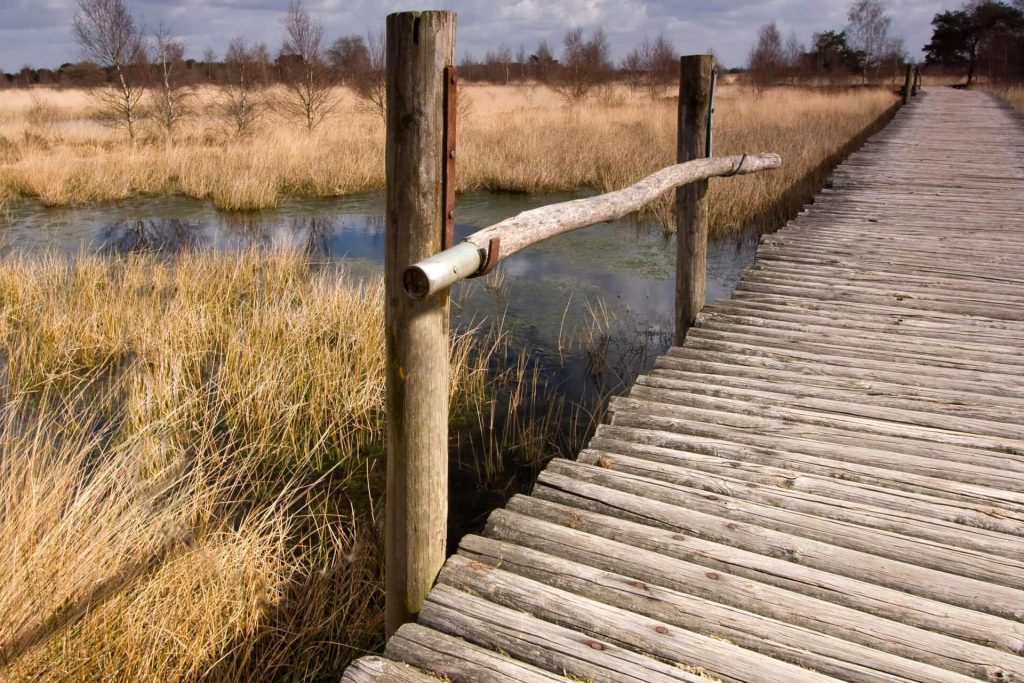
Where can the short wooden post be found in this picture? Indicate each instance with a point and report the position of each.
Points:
(695, 77)
(908, 84)
(419, 47)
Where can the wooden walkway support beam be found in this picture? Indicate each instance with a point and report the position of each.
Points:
(908, 83)
(696, 74)
(419, 47)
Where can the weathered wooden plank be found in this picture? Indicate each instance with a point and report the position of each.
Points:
(834, 445)
(452, 658)
(962, 591)
(986, 503)
(621, 627)
(985, 629)
(804, 631)
(541, 643)
(610, 445)
(856, 536)
(852, 511)
(380, 670)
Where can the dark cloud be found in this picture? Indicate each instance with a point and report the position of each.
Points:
(38, 31)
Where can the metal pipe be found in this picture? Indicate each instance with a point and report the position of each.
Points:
(443, 269)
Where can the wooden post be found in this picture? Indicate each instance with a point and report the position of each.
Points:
(908, 84)
(419, 47)
(695, 75)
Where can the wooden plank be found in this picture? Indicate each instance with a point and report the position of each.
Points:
(852, 511)
(609, 445)
(765, 569)
(541, 643)
(856, 536)
(380, 670)
(451, 658)
(648, 584)
(621, 627)
(967, 592)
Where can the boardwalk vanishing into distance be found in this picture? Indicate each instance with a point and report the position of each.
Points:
(826, 481)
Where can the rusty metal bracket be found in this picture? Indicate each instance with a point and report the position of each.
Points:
(709, 140)
(491, 259)
(448, 172)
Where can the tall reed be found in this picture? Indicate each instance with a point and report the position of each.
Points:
(190, 465)
(519, 138)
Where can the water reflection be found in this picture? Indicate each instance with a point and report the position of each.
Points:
(548, 297)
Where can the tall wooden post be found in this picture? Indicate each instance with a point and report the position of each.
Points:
(419, 47)
(908, 84)
(695, 77)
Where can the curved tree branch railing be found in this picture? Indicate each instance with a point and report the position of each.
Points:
(483, 249)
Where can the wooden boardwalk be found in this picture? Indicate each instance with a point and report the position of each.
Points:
(825, 482)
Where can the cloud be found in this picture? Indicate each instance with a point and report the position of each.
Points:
(38, 32)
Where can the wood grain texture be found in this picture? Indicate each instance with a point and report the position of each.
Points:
(825, 482)
(695, 85)
(419, 46)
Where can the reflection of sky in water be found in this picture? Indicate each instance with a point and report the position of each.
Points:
(545, 297)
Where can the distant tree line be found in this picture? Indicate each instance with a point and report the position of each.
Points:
(863, 48)
(984, 38)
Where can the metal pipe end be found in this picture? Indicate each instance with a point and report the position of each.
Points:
(441, 270)
(415, 282)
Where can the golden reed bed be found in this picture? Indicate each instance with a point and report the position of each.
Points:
(517, 138)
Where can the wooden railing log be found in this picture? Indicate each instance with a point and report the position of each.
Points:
(464, 260)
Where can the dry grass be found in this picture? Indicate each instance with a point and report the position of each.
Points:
(1015, 96)
(518, 138)
(188, 465)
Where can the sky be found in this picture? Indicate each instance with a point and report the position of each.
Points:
(38, 32)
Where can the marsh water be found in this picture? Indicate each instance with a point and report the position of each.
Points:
(590, 309)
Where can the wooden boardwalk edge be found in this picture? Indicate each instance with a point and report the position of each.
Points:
(825, 482)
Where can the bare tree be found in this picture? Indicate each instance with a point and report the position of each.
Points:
(585, 63)
(370, 84)
(793, 56)
(869, 32)
(661, 65)
(521, 61)
(304, 69)
(243, 103)
(767, 60)
(263, 62)
(209, 62)
(109, 36)
(544, 60)
(170, 97)
(651, 65)
(632, 68)
(349, 57)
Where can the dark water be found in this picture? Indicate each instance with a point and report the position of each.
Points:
(544, 295)
(590, 309)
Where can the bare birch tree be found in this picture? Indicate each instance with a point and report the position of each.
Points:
(767, 59)
(305, 72)
(243, 103)
(584, 64)
(109, 36)
(869, 32)
(369, 83)
(170, 97)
